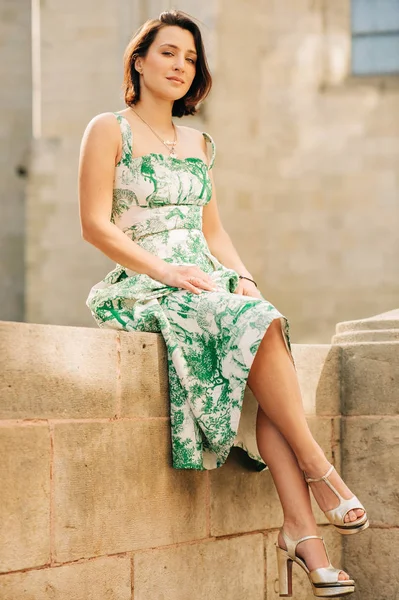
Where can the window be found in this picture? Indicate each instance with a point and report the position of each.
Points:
(375, 37)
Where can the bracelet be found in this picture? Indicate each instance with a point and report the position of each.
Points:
(243, 277)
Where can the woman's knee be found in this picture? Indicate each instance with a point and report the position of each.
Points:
(274, 330)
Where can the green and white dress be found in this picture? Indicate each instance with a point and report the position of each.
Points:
(211, 337)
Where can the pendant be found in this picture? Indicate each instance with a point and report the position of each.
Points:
(173, 154)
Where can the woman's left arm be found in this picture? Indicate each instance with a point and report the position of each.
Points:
(221, 246)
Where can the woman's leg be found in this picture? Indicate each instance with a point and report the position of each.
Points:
(274, 383)
(293, 493)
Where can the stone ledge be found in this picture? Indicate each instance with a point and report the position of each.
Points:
(379, 328)
(62, 372)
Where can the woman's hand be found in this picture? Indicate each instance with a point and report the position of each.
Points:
(247, 288)
(188, 277)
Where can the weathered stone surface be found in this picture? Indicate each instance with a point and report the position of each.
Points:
(370, 379)
(243, 500)
(24, 497)
(115, 489)
(378, 328)
(370, 459)
(231, 568)
(144, 377)
(15, 143)
(100, 579)
(372, 559)
(301, 586)
(56, 372)
(318, 368)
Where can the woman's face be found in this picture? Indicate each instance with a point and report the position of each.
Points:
(172, 54)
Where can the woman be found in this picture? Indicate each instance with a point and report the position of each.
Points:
(147, 201)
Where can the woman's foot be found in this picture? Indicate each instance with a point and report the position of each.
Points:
(311, 551)
(324, 496)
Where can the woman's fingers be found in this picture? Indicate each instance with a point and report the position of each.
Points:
(201, 283)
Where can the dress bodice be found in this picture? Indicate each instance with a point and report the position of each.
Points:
(158, 200)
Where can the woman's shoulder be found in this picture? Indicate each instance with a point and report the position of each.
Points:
(202, 137)
(196, 133)
(103, 119)
(103, 125)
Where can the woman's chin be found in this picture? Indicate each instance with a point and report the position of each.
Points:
(172, 97)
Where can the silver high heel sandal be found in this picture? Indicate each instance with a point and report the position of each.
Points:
(324, 580)
(336, 515)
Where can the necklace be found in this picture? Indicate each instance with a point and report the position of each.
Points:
(169, 145)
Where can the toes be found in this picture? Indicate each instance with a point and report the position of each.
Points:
(350, 516)
(354, 515)
(342, 575)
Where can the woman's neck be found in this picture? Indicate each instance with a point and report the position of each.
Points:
(155, 113)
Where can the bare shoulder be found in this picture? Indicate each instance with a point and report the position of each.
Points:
(101, 141)
(103, 125)
(101, 138)
(194, 135)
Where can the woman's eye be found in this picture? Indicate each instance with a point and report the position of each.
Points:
(171, 54)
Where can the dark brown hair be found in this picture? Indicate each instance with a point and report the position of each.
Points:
(138, 46)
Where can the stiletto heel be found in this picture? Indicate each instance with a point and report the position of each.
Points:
(324, 580)
(337, 515)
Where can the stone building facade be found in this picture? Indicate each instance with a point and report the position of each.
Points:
(307, 155)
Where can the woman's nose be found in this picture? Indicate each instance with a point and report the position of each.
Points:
(179, 64)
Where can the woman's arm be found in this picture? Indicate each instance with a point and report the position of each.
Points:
(218, 239)
(99, 148)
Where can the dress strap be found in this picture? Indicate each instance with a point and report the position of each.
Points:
(126, 133)
(208, 138)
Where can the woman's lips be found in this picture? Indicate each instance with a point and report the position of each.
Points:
(174, 80)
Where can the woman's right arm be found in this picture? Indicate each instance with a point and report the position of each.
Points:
(98, 151)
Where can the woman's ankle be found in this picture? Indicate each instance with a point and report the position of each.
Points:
(314, 463)
(296, 527)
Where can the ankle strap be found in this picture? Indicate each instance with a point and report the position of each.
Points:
(292, 544)
(309, 479)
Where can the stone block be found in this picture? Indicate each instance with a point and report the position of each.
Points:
(116, 491)
(301, 587)
(232, 568)
(370, 459)
(50, 371)
(144, 376)
(370, 379)
(243, 500)
(24, 497)
(318, 368)
(99, 579)
(371, 558)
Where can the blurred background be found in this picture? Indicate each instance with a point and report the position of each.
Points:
(304, 111)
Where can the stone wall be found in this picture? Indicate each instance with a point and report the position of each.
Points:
(92, 504)
(312, 207)
(306, 167)
(307, 162)
(15, 138)
(370, 448)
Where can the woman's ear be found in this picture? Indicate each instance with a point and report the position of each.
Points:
(137, 65)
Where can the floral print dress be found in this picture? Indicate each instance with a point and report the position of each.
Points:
(212, 337)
